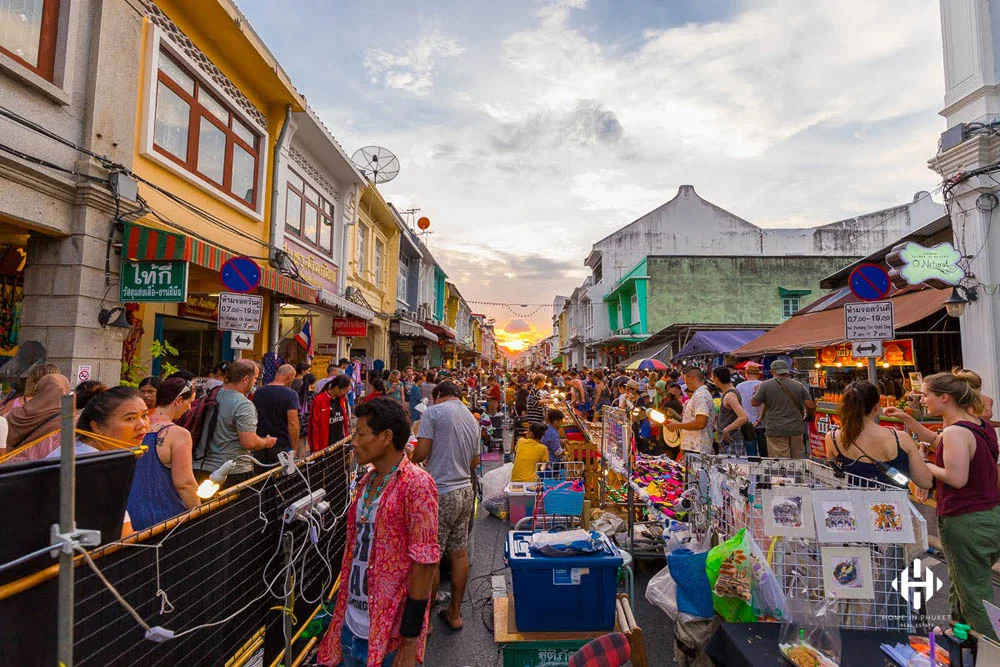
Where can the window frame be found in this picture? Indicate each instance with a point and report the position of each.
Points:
(403, 279)
(378, 260)
(48, 39)
(324, 219)
(790, 305)
(361, 249)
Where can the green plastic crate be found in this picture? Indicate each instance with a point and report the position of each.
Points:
(541, 654)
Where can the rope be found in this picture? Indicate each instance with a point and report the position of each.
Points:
(25, 447)
(97, 437)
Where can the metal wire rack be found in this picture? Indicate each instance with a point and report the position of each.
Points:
(726, 497)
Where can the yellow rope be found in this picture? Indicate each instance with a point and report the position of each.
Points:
(97, 437)
(25, 447)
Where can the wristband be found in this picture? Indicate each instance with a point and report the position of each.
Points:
(412, 622)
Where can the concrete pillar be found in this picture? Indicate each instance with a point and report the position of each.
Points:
(971, 42)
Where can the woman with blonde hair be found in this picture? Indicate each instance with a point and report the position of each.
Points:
(968, 500)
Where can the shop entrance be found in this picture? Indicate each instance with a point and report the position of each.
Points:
(199, 344)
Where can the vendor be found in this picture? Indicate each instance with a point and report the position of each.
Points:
(552, 440)
(528, 453)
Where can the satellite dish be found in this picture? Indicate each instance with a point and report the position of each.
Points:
(378, 164)
(424, 223)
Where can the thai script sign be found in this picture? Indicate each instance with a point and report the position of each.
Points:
(240, 312)
(913, 264)
(350, 326)
(868, 321)
(313, 268)
(153, 281)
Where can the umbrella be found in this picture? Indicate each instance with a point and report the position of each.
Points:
(647, 365)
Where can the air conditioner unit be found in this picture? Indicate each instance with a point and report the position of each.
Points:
(423, 312)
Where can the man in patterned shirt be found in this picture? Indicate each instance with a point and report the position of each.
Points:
(697, 422)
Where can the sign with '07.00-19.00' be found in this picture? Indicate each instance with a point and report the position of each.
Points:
(869, 321)
(240, 312)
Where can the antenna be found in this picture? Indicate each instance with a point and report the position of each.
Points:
(379, 165)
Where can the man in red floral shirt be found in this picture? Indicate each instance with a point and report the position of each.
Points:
(391, 552)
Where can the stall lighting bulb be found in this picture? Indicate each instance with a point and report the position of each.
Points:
(885, 364)
(818, 365)
(838, 364)
(207, 489)
(657, 416)
(859, 365)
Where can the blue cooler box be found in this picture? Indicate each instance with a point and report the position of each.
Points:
(567, 593)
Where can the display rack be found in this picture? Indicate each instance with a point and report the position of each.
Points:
(726, 494)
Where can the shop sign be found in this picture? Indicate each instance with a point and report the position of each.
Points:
(314, 268)
(327, 348)
(199, 307)
(821, 424)
(350, 326)
(240, 312)
(153, 282)
(404, 345)
(913, 264)
(894, 353)
(868, 321)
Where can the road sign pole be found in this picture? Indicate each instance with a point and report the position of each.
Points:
(872, 371)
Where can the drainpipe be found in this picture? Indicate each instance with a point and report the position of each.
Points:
(272, 331)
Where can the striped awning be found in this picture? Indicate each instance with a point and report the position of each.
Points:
(146, 243)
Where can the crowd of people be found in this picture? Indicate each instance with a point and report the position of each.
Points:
(417, 437)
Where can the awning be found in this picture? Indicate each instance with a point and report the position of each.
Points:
(411, 330)
(651, 352)
(826, 327)
(328, 298)
(619, 339)
(441, 330)
(146, 243)
(716, 342)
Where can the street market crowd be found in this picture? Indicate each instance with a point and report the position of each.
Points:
(417, 437)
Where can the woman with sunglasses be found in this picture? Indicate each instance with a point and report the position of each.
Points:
(164, 484)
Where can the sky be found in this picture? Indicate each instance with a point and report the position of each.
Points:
(529, 129)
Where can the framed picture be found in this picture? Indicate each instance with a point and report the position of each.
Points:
(788, 512)
(847, 572)
(840, 516)
(888, 516)
(916, 379)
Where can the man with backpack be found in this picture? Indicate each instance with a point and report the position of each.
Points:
(235, 426)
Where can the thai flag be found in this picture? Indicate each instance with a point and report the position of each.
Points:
(305, 339)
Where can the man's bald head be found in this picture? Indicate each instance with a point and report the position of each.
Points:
(284, 375)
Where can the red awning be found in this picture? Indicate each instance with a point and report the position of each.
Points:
(826, 327)
(444, 332)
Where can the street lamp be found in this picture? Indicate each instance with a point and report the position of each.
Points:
(955, 304)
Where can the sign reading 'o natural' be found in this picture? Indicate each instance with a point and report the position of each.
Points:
(913, 264)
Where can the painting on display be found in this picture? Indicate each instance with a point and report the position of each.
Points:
(788, 512)
(839, 516)
(888, 516)
(847, 572)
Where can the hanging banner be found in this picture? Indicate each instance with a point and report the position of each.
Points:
(894, 353)
(350, 326)
(153, 282)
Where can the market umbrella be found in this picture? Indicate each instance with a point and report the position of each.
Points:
(646, 365)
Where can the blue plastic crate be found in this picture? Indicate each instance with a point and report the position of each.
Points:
(561, 499)
(568, 593)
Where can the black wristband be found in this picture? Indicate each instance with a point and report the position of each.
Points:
(413, 618)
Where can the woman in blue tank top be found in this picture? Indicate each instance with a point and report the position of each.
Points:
(164, 484)
(863, 448)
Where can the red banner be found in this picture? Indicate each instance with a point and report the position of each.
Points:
(350, 326)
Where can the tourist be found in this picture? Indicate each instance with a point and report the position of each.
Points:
(863, 448)
(602, 396)
(528, 453)
(551, 438)
(785, 403)
(395, 387)
(696, 419)
(392, 528)
(378, 389)
(535, 409)
(148, 387)
(493, 396)
(217, 377)
(330, 422)
(747, 388)
(674, 400)
(164, 485)
(30, 387)
(427, 386)
(87, 389)
(235, 431)
(277, 407)
(968, 502)
(332, 371)
(415, 396)
(448, 446)
(37, 420)
(732, 417)
(114, 419)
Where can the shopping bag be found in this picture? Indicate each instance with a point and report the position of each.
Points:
(494, 485)
(769, 602)
(694, 594)
(661, 592)
(728, 568)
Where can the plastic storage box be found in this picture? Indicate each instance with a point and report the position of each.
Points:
(520, 500)
(562, 594)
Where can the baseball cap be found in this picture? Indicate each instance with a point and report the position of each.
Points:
(779, 367)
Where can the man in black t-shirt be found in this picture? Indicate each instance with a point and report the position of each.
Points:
(278, 415)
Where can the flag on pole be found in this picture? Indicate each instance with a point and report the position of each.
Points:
(304, 338)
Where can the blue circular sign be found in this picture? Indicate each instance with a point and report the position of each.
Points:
(241, 274)
(869, 282)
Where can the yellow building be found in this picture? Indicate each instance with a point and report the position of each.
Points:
(373, 267)
(213, 105)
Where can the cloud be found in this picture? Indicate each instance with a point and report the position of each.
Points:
(414, 69)
(588, 124)
(517, 326)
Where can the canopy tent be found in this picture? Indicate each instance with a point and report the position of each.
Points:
(716, 342)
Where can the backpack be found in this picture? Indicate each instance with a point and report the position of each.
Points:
(201, 420)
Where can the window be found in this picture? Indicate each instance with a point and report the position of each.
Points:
(403, 278)
(201, 134)
(379, 250)
(308, 216)
(634, 309)
(362, 250)
(28, 33)
(789, 306)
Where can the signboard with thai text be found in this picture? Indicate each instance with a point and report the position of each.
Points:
(868, 321)
(350, 326)
(316, 269)
(240, 312)
(153, 282)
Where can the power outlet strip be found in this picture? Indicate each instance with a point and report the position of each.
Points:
(303, 505)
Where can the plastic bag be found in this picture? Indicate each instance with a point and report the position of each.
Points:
(494, 485)
(608, 523)
(661, 592)
(769, 602)
(728, 567)
(694, 594)
(810, 632)
(567, 543)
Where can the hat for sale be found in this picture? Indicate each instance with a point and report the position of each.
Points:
(779, 367)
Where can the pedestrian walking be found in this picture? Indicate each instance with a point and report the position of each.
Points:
(732, 417)
(786, 402)
(278, 415)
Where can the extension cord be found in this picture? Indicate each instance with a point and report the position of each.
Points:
(303, 505)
